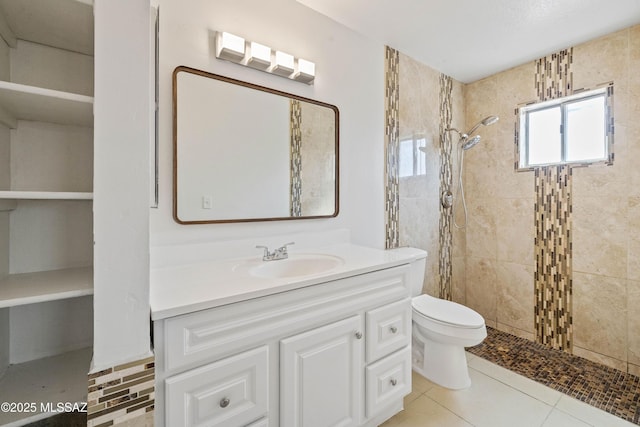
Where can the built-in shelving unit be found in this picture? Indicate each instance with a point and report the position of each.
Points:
(46, 218)
(22, 102)
(45, 195)
(42, 286)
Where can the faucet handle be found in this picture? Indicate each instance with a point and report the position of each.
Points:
(284, 247)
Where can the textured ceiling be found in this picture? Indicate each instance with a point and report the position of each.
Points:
(471, 39)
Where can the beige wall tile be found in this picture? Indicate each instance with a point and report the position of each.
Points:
(481, 287)
(458, 280)
(515, 230)
(515, 296)
(600, 236)
(600, 314)
(633, 259)
(481, 227)
(634, 321)
(601, 358)
(601, 60)
(515, 331)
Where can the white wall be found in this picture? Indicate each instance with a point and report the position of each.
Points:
(63, 325)
(121, 200)
(350, 75)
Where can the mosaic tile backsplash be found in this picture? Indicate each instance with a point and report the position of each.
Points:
(120, 394)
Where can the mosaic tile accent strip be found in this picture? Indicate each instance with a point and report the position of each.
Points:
(392, 143)
(553, 78)
(600, 386)
(446, 181)
(122, 393)
(296, 158)
(552, 275)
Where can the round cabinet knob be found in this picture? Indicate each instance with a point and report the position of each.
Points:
(394, 382)
(393, 329)
(224, 402)
(359, 335)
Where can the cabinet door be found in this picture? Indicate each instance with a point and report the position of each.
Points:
(321, 376)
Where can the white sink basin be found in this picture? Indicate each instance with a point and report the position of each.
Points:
(297, 265)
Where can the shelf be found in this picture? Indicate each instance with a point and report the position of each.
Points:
(61, 378)
(44, 195)
(30, 288)
(65, 24)
(22, 102)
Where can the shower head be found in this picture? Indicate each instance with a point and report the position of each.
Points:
(470, 143)
(489, 120)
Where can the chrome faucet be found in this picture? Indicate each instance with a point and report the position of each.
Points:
(276, 254)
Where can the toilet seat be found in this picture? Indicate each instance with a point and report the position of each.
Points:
(447, 312)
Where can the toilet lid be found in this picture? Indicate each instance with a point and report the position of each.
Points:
(447, 312)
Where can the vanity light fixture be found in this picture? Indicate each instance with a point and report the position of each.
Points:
(284, 64)
(259, 56)
(305, 71)
(229, 46)
(255, 55)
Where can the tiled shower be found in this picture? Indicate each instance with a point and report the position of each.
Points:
(492, 262)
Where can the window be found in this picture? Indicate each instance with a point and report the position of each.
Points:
(576, 129)
(412, 160)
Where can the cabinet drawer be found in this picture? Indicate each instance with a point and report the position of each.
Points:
(388, 329)
(263, 422)
(388, 380)
(230, 392)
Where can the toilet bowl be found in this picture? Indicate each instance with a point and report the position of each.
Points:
(441, 330)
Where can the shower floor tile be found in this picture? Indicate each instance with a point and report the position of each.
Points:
(602, 387)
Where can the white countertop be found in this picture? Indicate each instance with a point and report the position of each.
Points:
(181, 289)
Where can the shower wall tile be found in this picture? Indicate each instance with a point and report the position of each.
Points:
(600, 358)
(601, 60)
(515, 331)
(633, 304)
(600, 314)
(419, 196)
(458, 280)
(606, 200)
(633, 258)
(514, 296)
(481, 227)
(480, 170)
(515, 218)
(600, 236)
(481, 288)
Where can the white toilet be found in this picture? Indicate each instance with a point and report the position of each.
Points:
(441, 331)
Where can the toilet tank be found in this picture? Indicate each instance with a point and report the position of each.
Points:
(418, 264)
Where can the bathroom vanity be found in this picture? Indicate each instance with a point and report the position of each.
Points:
(244, 342)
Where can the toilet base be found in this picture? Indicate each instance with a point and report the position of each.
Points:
(443, 364)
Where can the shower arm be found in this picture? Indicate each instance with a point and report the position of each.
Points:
(462, 136)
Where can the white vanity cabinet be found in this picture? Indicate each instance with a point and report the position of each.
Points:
(331, 354)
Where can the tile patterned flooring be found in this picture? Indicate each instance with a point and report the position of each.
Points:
(605, 388)
(499, 397)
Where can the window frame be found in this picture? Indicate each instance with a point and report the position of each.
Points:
(522, 127)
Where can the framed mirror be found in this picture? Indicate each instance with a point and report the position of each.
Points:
(244, 152)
